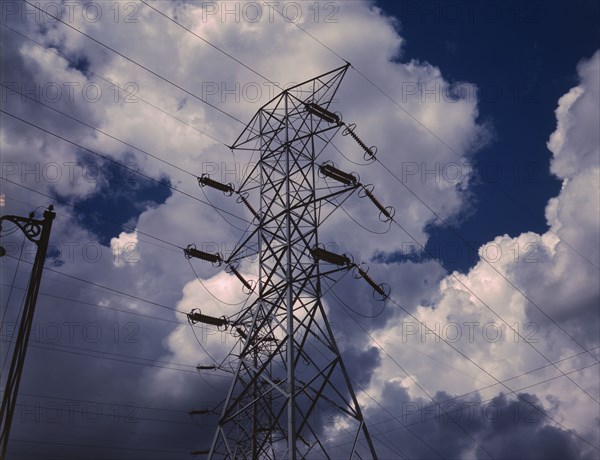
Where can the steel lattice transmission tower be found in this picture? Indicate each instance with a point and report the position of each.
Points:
(290, 389)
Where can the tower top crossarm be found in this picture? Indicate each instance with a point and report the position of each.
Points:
(319, 90)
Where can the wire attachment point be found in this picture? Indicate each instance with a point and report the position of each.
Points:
(328, 169)
(319, 253)
(370, 152)
(192, 252)
(322, 113)
(247, 285)
(243, 198)
(378, 288)
(386, 213)
(206, 181)
(196, 316)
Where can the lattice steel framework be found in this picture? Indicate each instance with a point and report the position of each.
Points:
(290, 389)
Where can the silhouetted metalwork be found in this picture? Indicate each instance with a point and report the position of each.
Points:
(290, 388)
(38, 232)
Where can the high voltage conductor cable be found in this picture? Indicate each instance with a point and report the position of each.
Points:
(483, 258)
(20, 312)
(340, 177)
(99, 353)
(91, 447)
(95, 354)
(74, 219)
(209, 43)
(12, 284)
(369, 152)
(521, 375)
(420, 422)
(116, 85)
(102, 403)
(330, 289)
(114, 309)
(105, 287)
(101, 216)
(506, 323)
(218, 211)
(519, 389)
(163, 184)
(137, 63)
(81, 353)
(464, 430)
(408, 113)
(227, 189)
(495, 378)
(91, 304)
(208, 290)
(104, 132)
(456, 153)
(389, 211)
(390, 216)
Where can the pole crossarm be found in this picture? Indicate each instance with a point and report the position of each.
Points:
(38, 232)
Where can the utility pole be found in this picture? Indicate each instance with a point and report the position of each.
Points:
(290, 387)
(38, 232)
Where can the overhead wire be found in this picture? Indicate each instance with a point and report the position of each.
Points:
(145, 152)
(163, 14)
(374, 232)
(189, 93)
(95, 213)
(387, 96)
(12, 335)
(463, 429)
(91, 304)
(132, 296)
(522, 374)
(452, 411)
(440, 218)
(354, 383)
(416, 196)
(114, 84)
(485, 371)
(263, 77)
(152, 179)
(309, 34)
(436, 214)
(497, 315)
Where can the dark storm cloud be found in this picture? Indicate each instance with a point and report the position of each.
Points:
(503, 428)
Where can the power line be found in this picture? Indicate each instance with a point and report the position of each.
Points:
(485, 260)
(209, 43)
(136, 63)
(157, 181)
(494, 378)
(80, 351)
(62, 444)
(144, 2)
(102, 132)
(492, 399)
(393, 174)
(48, 269)
(425, 204)
(387, 96)
(439, 403)
(464, 430)
(453, 275)
(101, 216)
(114, 84)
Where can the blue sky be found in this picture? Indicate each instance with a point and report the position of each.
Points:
(521, 65)
(484, 114)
